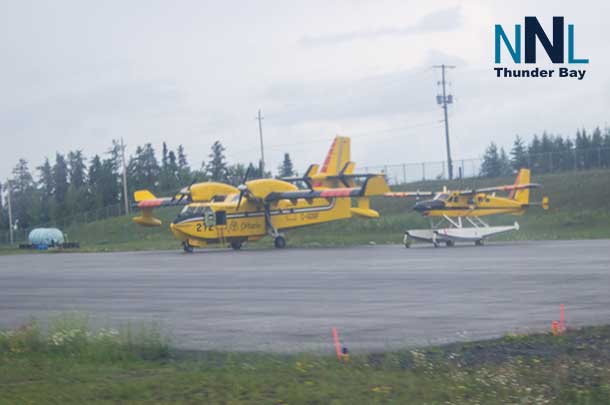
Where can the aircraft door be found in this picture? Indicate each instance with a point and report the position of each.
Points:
(221, 225)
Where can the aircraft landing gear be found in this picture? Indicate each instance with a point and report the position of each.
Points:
(186, 247)
(434, 241)
(407, 241)
(279, 242)
(235, 245)
(450, 243)
(479, 242)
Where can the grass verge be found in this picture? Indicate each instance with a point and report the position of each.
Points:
(579, 210)
(71, 363)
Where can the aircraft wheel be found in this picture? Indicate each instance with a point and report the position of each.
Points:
(235, 245)
(279, 242)
(187, 248)
(479, 242)
(450, 243)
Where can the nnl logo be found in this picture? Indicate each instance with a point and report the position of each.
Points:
(533, 30)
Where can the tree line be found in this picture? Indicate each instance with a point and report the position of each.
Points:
(549, 153)
(71, 184)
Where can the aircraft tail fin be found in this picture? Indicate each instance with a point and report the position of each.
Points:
(338, 155)
(522, 195)
(143, 195)
(337, 158)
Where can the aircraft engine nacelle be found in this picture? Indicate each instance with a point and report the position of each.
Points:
(261, 188)
(206, 191)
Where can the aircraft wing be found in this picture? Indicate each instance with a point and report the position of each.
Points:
(309, 194)
(373, 185)
(161, 202)
(146, 199)
(408, 194)
(500, 188)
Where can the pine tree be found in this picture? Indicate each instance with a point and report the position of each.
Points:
(116, 156)
(77, 169)
(96, 198)
(286, 169)
(533, 151)
(595, 155)
(491, 166)
(505, 166)
(2, 214)
(236, 173)
(22, 195)
(518, 154)
(60, 181)
(165, 180)
(560, 153)
(217, 167)
(164, 158)
(45, 184)
(144, 169)
(606, 148)
(171, 172)
(568, 160)
(110, 187)
(184, 171)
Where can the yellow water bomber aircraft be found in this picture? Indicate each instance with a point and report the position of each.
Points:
(453, 208)
(218, 213)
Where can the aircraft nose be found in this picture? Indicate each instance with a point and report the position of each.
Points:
(428, 205)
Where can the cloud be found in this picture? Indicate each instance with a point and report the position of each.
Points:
(438, 21)
(399, 92)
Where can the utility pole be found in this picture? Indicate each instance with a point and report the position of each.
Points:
(260, 119)
(125, 196)
(10, 212)
(443, 100)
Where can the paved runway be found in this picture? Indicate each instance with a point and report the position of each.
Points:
(379, 297)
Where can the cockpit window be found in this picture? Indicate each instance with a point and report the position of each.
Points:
(441, 196)
(191, 211)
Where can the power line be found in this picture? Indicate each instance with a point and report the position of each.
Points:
(444, 100)
(375, 132)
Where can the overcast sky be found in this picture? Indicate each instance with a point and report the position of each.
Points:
(76, 74)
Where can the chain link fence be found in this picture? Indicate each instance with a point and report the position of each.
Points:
(397, 174)
(402, 173)
(20, 235)
(539, 163)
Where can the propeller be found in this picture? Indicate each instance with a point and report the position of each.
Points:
(243, 189)
(184, 192)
